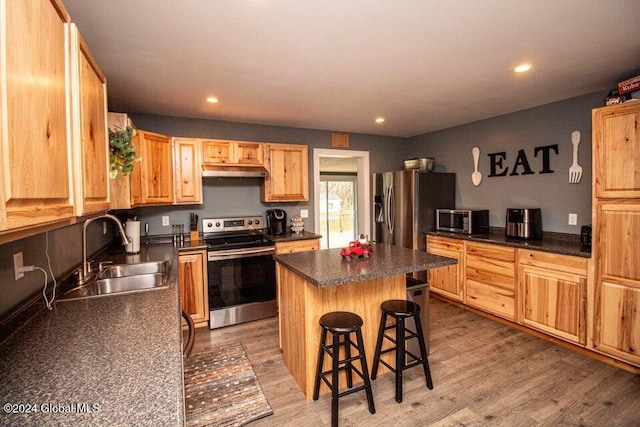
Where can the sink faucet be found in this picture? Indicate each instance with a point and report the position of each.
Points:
(86, 266)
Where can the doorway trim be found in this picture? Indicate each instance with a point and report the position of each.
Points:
(364, 182)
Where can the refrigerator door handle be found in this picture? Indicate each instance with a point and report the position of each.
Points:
(386, 209)
(392, 210)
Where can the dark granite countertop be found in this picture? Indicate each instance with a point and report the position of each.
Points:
(327, 268)
(121, 353)
(554, 244)
(305, 235)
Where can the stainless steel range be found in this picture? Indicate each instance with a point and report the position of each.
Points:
(241, 270)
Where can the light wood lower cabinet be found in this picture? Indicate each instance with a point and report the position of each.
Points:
(192, 276)
(553, 294)
(617, 281)
(490, 279)
(447, 281)
(288, 248)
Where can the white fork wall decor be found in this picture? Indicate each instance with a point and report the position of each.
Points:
(575, 171)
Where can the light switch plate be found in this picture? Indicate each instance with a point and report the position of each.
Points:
(573, 219)
(304, 213)
(165, 220)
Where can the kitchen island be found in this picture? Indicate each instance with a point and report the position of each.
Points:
(311, 284)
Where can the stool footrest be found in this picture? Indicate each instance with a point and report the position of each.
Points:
(352, 390)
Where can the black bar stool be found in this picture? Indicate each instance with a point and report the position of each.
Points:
(341, 324)
(400, 310)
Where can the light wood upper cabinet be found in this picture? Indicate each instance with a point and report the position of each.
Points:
(217, 152)
(447, 281)
(616, 136)
(490, 279)
(288, 167)
(192, 277)
(187, 170)
(156, 169)
(553, 294)
(89, 129)
(35, 139)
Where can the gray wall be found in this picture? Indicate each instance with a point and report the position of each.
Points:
(541, 126)
(238, 196)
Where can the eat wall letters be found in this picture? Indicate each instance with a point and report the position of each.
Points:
(498, 169)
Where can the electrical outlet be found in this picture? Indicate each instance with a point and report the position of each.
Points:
(17, 265)
(573, 219)
(165, 220)
(304, 213)
(104, 227)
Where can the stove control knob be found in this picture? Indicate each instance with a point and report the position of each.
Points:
(217, 224)
(257, 222)
(209, 224)
(250, 222)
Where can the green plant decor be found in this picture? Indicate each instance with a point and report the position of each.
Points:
(122, 151)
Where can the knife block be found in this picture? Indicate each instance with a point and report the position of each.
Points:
(193, 236)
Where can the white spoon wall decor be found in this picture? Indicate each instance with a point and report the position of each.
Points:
(476, 176)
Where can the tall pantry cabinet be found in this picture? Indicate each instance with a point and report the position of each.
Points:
(616, 232)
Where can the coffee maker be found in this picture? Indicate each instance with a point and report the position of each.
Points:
(276, 221)
(524, 223)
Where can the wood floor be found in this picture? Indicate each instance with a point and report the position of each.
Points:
(484, 374)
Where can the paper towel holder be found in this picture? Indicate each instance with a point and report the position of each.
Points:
(132, 230)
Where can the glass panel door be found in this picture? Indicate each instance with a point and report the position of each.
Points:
(338, 209)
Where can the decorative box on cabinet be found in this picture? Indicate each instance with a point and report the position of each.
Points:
(553, 294)
(187, 170)
(35, 141)
(490, 279)
(192, 277)
(288, 179)
(447, 281)
(89, 129)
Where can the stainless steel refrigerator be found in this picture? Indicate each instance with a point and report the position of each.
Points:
(404, 205)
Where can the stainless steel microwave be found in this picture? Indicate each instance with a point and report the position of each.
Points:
(464, 221)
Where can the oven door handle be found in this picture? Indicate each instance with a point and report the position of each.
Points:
(235, 253)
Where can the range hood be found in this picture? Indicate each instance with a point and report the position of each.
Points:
(234, 171)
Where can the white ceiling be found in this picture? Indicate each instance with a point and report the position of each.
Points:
(423, 65)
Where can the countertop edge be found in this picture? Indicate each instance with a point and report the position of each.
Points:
(432, 261)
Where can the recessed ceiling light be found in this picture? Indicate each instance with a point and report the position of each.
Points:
(380, 120)
(212, 99)
(522, 68)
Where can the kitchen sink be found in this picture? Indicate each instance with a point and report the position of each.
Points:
(122, 270)
(123, 278)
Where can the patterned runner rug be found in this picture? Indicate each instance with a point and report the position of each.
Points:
(221, 389)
